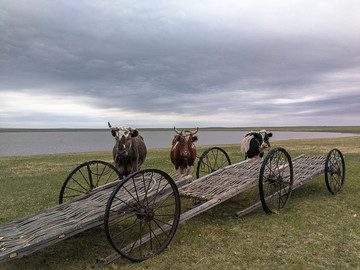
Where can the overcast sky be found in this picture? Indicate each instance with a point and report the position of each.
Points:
(190, 63)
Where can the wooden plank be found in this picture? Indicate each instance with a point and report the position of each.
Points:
(243, 184)
(248, 209)
(61, 222)
(185, 216)
(29, 234)
(313, 173)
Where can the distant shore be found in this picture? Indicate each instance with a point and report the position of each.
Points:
(339, 129)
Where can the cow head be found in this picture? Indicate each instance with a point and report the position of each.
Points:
(123, 136)
(265, 143)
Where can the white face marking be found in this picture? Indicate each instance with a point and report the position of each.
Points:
(264, 144)
(120, 133)
(263, 135)
(185, 136)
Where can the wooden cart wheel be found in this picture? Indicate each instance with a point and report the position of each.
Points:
(276, 180)
(335, 171)
(212, 160)
(142, 214)
(86, 177)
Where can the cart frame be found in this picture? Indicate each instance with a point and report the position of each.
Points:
(150, 200)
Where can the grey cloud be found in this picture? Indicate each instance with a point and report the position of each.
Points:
(157, 58)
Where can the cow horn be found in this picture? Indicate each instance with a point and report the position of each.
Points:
(111, 127)
(194, 132)
(178, 132)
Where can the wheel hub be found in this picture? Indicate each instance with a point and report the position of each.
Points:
(146, 213)
(149, 214)
(335, 171)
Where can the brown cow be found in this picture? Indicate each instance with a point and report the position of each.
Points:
(129, 152)
(183, 151)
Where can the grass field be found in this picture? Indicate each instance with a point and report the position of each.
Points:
(316, 231)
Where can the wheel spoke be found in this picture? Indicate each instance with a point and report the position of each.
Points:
(85, 178)
(80, 185)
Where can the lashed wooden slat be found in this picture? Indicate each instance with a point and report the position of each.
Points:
(217, 187)
(26, 235)
(241, 176)
(305, 169)
(244, 175)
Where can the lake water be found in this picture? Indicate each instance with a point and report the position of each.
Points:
(38, 143)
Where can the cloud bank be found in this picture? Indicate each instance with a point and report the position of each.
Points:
(184, 63)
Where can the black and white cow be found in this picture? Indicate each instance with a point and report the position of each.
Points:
(254, 143)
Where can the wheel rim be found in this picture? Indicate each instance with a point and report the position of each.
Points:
(276, 180)
(335, 171)
(212, 160)
(86, 177)
(142, 214)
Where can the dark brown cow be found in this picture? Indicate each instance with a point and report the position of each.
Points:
(183, 151)
(129, 152)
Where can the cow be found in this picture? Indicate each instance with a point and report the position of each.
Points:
(130, 151)
(254, 143)
(183, 151)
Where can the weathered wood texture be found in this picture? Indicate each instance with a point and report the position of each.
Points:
(25, 236)
(223, 184)
(237, 177)
(244, 175)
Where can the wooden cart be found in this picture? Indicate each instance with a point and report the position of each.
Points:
(141, 212)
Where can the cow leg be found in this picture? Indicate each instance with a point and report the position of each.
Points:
(177, 169)
(190, 170)
(184, 169)
(133, 166)
(121, 168)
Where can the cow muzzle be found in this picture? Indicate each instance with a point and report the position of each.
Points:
(185, 155)
(264, 145)
(122, 151)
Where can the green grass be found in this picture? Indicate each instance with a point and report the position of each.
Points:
(316, 231)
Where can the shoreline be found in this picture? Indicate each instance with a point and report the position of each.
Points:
(198, 147)
(336, 129)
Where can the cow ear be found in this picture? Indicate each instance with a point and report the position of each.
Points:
(194, 138)
(134, 133)
(113, 133)
(270, 134)
(177, 138)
